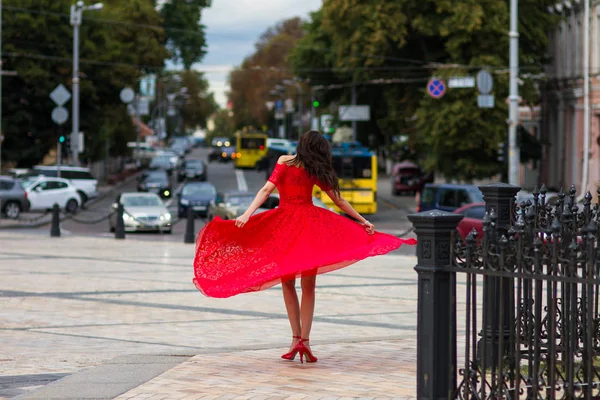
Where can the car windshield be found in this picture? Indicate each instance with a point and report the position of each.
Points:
(156, 176)
(240, 200)
(28, 182)
(193, 164)
(141, 201)
(477, 195)
(203, 190)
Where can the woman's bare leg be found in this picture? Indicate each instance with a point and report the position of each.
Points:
(307, 309)
(290, 297)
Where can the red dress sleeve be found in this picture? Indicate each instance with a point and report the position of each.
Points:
(275, 177)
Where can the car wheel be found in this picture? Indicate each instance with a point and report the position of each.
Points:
(12, 210)
(72, 206)
(83, 196)
(168, 232)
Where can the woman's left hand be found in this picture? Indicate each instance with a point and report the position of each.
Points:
(241, 220)
(369, 227)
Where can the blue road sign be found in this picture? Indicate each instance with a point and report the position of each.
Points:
(436, 88)
(279, 105)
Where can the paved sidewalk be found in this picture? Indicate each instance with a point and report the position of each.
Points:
(90, 318)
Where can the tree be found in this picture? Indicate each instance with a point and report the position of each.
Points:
(260, 72)
(185, 34)
(390, 49)
(113, 54)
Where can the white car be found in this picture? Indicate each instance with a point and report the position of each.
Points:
(44, 192)
(81, 178)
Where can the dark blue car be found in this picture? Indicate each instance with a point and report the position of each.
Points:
(196, 195)
(448, 196)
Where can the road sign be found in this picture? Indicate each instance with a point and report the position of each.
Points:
(279, 115)
(326, 122)
(461, 82)
(485, 101)
(354, 113)
(436, 88)
(148, 87)
(279, 104)
(60, 95)
(270, 105)
(81, 142)
(289, 105)
(60, 115)
(485, 83)
(127, 95)
(143, 107)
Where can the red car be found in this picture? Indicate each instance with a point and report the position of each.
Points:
(473, 218)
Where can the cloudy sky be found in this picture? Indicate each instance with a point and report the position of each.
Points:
(232, 28)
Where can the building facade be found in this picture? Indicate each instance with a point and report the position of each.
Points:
(562, 117)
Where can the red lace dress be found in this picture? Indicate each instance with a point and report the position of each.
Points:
(296, 239)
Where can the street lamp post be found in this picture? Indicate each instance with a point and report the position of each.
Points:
(76, 17)
(514, 157)
(300, 95)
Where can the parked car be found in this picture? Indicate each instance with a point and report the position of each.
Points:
(81, 178)
(273, 202)
(142, 212)
(472, 219)
(155, 181)
(448, 196)
(13, 198)
(407, 177)
(229, 205)
(43, 193)
(193, 170)
(197, 195)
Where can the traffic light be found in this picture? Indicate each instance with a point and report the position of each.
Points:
(61, 139)
(501, 152)
(315, 104)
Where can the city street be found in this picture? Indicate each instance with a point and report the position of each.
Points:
(390, 218)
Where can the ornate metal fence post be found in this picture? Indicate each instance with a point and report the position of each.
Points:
(499, 197)
(436, 310)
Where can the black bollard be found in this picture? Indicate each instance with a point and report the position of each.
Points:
(189, 227)
(55, 225)
(119, 224)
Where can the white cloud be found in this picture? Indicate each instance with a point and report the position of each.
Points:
(232, 28)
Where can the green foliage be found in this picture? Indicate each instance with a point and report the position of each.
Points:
(223, 125)
(185, 34)
(410, 41)
(113, 54)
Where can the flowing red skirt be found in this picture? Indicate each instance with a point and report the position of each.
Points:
(278, 245)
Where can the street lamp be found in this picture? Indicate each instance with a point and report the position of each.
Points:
(76, 17)
(300, 94)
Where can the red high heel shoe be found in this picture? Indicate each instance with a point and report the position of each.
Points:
(292, 354)
(304, 351)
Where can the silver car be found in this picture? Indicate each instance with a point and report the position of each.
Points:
(142, 212)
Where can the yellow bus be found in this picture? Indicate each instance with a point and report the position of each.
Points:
(250, 147)
(356, 168)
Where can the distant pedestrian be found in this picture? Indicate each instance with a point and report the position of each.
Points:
(295, 240)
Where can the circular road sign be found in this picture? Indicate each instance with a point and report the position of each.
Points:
(485, 82)
(436, 88)
(60, 115)
(127, 95)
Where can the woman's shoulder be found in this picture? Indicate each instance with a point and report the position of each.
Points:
(283, 160)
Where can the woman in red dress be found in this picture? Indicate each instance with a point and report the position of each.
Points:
(295, 240)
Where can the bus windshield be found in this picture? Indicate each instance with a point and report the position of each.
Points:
(348, 167)
(253, 143)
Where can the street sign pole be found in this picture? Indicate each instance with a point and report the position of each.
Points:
(514, 157)
(58, 151)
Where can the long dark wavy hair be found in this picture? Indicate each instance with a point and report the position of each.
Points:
(313, 153)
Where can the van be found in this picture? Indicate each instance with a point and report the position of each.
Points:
(81, 178)
(448, 197)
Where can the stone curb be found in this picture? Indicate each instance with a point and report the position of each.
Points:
(93, 201)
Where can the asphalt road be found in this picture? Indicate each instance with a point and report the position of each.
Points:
(390, 218)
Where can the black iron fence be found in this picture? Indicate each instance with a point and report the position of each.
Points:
(511, 313)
